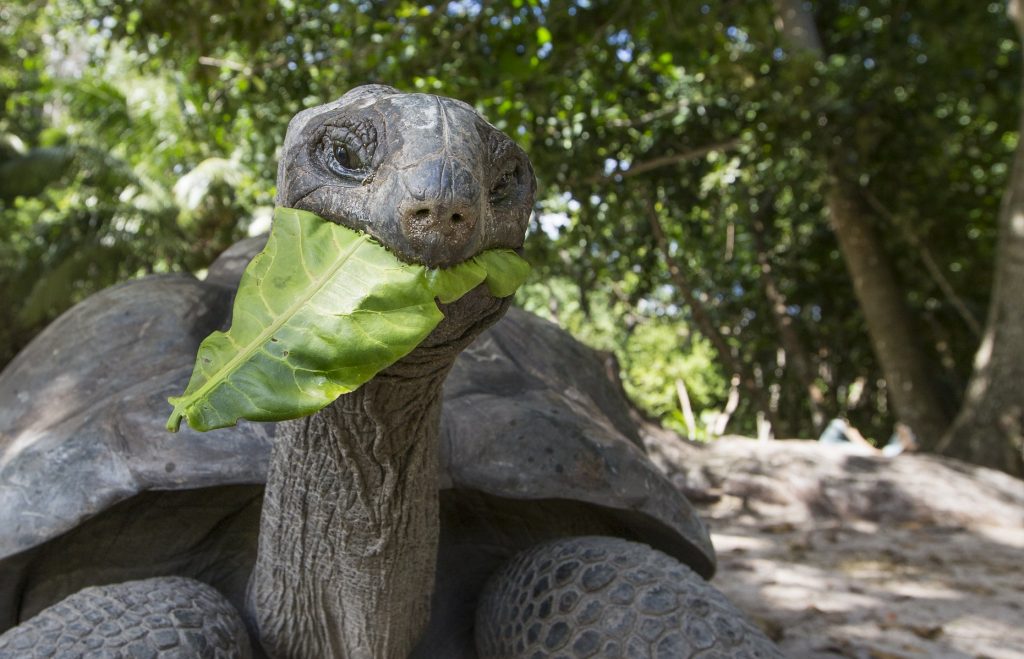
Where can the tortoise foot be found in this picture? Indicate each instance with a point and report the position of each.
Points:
(606, 597)
(156, 618)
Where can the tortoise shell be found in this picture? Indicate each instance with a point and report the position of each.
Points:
(531, 417)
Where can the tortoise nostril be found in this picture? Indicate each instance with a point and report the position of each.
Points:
(429, 214)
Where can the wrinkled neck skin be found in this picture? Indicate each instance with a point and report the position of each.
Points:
(349, 529)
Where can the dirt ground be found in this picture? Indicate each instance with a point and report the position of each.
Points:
(837, 553)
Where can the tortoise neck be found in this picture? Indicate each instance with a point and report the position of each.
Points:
(349, 529)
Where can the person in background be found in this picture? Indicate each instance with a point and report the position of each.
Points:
(840, 431)
(903, 440)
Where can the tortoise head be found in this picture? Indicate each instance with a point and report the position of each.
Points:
(425, 175)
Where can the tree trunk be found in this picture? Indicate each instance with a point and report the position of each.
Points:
(895, 341)
(796, 351)
(990, 427)
(722, 420)
(684, 404)
(702, 320)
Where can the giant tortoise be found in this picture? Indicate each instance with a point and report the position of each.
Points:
(556, 535)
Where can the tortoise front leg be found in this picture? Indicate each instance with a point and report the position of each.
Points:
(605, 597)
(156, 618)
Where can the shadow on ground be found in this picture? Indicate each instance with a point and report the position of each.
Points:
(838, 554)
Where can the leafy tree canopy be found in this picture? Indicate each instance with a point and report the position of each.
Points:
(682, 150)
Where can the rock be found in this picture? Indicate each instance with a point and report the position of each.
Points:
(840, 554)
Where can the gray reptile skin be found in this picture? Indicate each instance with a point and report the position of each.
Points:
(609, 598)
(165, 617)
(350, 525)
(426, 175)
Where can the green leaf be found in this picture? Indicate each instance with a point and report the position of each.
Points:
(506, 272)
(449, 284)
(543, 36)
(321, 310)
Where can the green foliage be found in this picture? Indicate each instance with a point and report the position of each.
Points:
(94, 150)
(141, 136)
(652, 345)
(321, 310)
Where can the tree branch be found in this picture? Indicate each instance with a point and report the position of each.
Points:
(648, 117)
(1013, 10)
(929, 263)
(664, 161)
(797, 24)
(224, 63)
(699, 314)
(792, 343)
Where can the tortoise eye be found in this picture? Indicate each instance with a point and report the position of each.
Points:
(346, 150)
(345, 158)
(503, 184)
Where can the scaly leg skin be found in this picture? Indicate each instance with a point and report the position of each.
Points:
(160, 618)
(608, 597)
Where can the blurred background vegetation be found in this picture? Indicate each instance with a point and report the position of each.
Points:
(686, 153)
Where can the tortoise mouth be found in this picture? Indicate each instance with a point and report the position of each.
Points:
(433, 250)
(432, 261)
(465, 318)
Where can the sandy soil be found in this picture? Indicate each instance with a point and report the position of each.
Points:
(840, 554)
